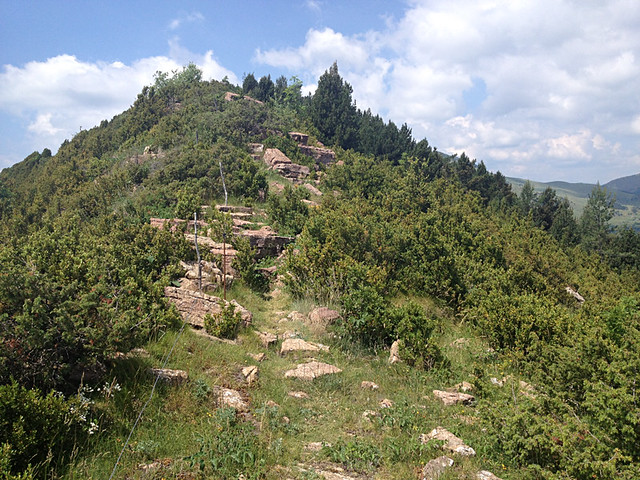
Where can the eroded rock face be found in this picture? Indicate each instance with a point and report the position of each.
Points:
(311, 370)
(320, 155)
(193, 306)
(436, 467)
(452, 443)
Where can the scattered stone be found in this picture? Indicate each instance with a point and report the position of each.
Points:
(394, 354)
(453, 398)
(436, 467)
(386, 403)
(169, 376)
(299, 345)
(463, 387)
(369, 385)
(369, 414)
(323, 316)
(201, 332)
(495, 381)
(296, 316)
(452, 442)
(311, 370)
(304, 395)
(314, 446)
(231, 398)
(575, 295)
(485, 475)
(258, 357)
(327, 472)
(250, 373)
(272, 404)
(267, 339)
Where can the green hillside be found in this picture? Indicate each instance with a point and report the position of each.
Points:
(352, 305)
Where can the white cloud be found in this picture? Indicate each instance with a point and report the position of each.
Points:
(561, 80)
(185, 18)
(62, 94)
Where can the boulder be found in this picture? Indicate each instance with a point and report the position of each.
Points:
(453, 398)
(312, 190)
(320, 155)
(299, 345)
(258, 357)
(311, 370)
(452, 443)
(169, 376)
(194, 306)
(436, 467)
(300, 138)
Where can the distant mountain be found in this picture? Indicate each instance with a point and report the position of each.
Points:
(630, 184)
(626, 191)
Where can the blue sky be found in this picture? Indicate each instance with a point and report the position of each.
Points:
(544, 89)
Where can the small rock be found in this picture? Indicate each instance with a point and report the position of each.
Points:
(436, 467)
(298, 394)
(314, 446)
(311, 370)
(464, 387)
(453, 398)
(497, 382)
(267, 339)
(369, 414)
(139, 352)
(386, 403)
(250, 373)
(452, 443)
(297, 345)
(296, 316)
(369, 385)
(258, 357)
(485, 475)
(272, 404)
(394, 353)
(313, 190)
(170, 377)
(460, 342)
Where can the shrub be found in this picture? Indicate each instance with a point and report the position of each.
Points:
(414, 329)
(224, 324)
(356, 455)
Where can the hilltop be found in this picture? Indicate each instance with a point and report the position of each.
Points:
(353, 304)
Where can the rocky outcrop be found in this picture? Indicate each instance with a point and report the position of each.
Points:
(230, 96)
(279, 162)
(312, 190)
(299, 138)
(575, 295)
(194, 306)
(320, 155)
(266, 242)
(451, 442)
(227, 397)
(311, 370)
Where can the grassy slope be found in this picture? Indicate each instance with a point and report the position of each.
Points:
(177, 417)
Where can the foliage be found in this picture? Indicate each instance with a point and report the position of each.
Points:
(595, 217)
(246, 265)
(355, 454)
(24, 417)
(224, 324)
(287, 211)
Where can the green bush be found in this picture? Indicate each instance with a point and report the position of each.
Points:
(354, 454)
(414, 332)
(40, 430)
(224, 324)
(245, 264)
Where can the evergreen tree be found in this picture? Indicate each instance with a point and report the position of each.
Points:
(249, 84)
(333, 112)
(595, 217)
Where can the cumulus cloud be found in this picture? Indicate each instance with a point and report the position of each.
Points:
(59, 96)
(559, 80)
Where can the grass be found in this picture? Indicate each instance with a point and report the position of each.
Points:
(178, 426)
